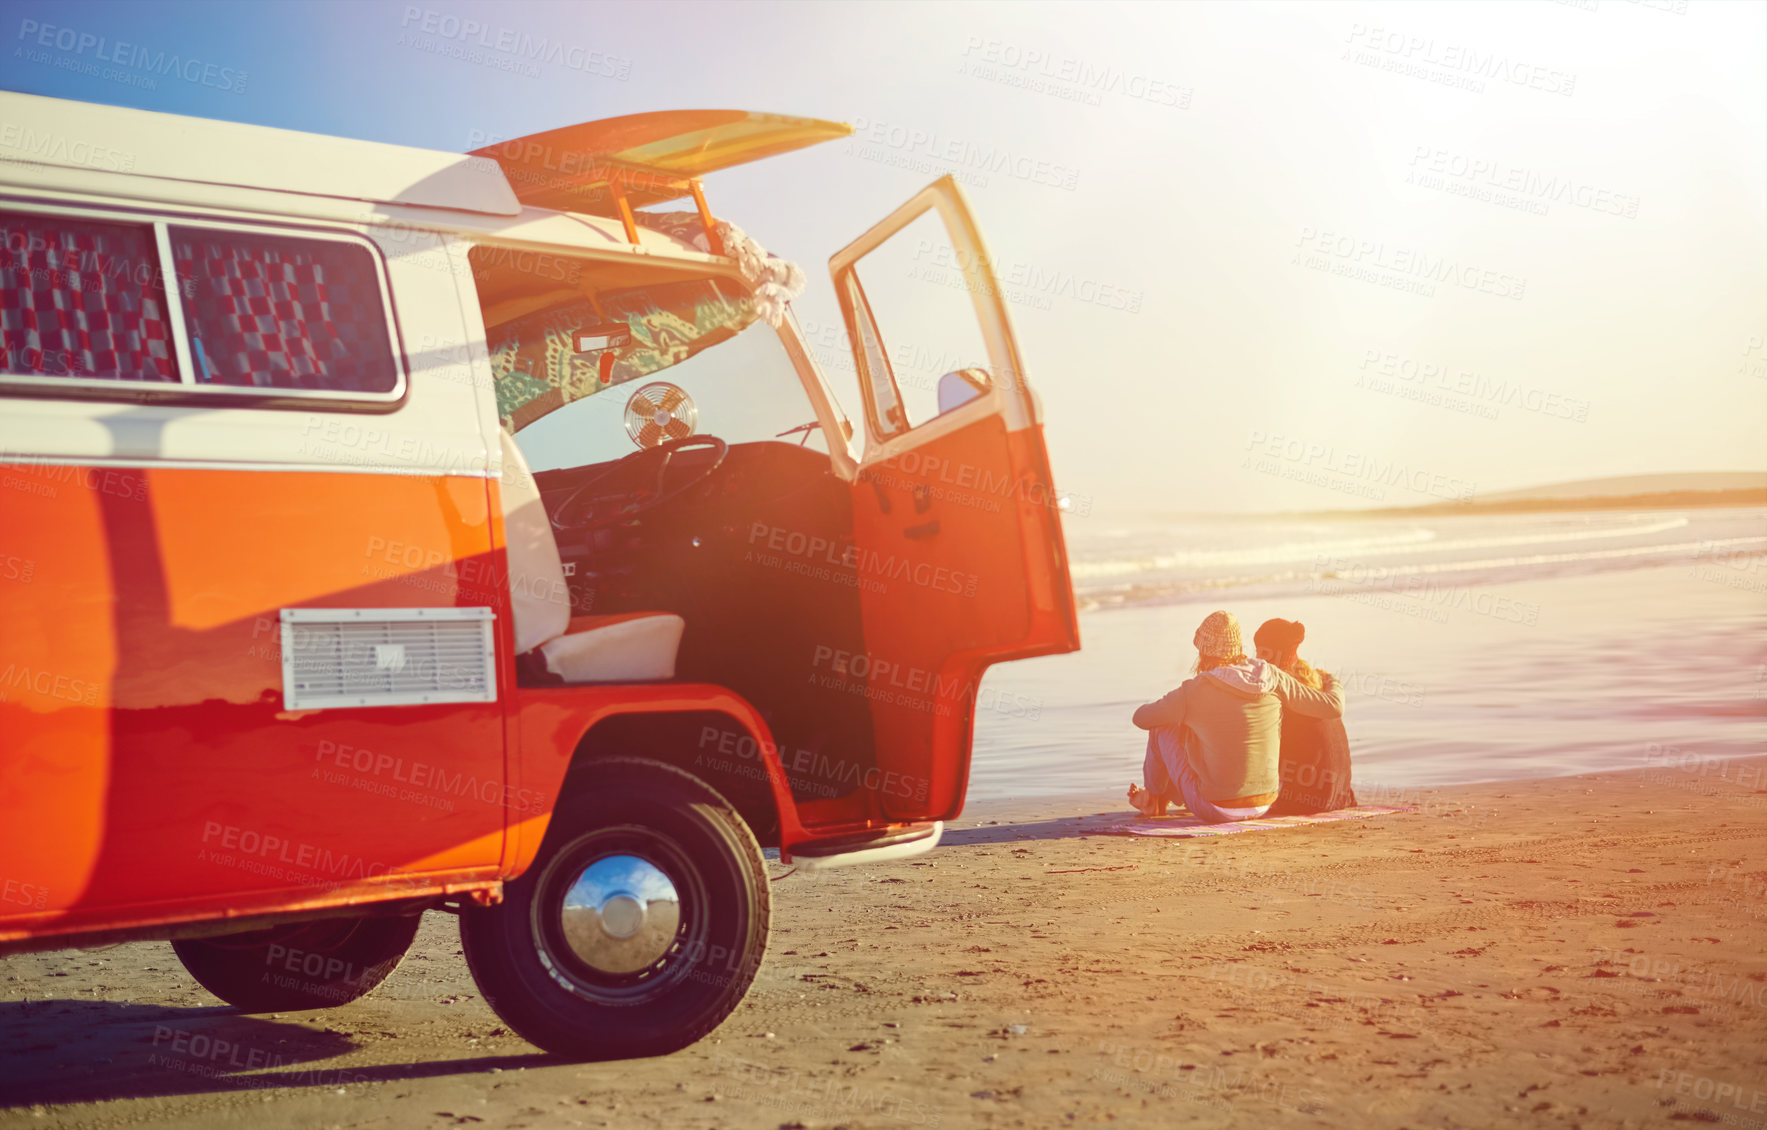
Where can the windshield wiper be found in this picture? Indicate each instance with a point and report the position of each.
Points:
(805, 428)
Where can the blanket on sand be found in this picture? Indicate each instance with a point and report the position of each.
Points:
(1182, 825)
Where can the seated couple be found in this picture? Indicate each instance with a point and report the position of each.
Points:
(1246, 737)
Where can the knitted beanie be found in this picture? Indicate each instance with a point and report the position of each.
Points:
(1219, 636)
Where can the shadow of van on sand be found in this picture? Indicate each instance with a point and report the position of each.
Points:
(73, 1051)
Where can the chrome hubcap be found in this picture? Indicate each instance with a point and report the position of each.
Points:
(620, 914)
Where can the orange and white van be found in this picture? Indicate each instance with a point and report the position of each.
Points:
(386, 530)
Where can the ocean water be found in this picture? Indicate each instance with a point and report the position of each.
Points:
(1472, 648)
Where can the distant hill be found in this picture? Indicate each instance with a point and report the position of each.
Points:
(1635, 485)
(1676, 491)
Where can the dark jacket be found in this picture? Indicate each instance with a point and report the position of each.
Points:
(1315, 766)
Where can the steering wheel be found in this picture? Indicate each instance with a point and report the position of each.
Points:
(581, 510)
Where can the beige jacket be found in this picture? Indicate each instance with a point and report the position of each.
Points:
(1230, 719)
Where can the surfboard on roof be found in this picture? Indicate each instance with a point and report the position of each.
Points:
(651, 157)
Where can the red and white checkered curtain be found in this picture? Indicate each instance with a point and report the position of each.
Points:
(83, 299)
(276, 312)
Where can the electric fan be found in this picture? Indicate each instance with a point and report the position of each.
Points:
(660, 412)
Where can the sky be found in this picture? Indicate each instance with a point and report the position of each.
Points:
(1258, 256)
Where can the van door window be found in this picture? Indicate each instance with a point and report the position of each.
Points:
(85, 299)
(881, 394)
(280, 312)
(910, 297)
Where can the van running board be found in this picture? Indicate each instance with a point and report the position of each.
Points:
(867, 847)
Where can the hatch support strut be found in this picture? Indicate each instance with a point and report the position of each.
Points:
(616, 186)
(713, 243)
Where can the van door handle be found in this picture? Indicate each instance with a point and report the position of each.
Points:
(924, 530)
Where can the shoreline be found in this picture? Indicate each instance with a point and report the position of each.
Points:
(1740, 498)
(1737, 497)
(1569, 951)
(1507, 680)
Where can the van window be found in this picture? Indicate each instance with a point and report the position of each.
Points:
(273, 311)
(80, 298)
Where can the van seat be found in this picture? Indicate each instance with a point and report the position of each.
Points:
(631, 647)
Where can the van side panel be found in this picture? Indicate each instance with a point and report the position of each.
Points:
(150, 771)
(148, 754)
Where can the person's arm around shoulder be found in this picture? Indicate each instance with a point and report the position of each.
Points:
(1167, 711)
(1327, 702)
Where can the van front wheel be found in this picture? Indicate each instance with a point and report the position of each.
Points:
(639, 926)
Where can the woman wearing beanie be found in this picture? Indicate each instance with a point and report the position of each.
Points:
(1214, 743)
(1315, 765)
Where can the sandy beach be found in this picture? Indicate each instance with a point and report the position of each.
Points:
(1580, 951)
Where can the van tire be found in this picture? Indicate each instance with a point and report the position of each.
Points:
(576, 963)
(300, 965)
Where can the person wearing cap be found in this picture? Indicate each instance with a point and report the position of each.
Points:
(1214, 743)
(1315, 764)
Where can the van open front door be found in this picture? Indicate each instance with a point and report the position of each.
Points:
(956, 522)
